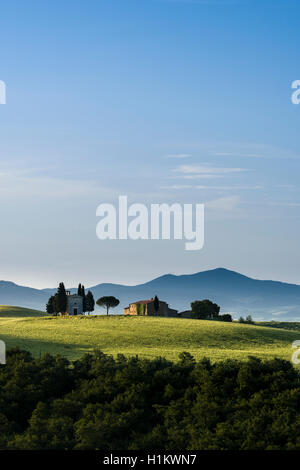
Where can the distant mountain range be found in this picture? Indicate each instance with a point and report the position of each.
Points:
(234, 292)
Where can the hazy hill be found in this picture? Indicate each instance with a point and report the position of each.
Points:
(234, 292)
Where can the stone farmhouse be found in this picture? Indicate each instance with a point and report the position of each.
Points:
(74, 304)
(146, 307)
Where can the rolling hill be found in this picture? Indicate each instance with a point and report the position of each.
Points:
(8, 311)
(234, 292)
(147, 337)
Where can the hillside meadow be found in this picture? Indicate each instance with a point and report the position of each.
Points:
(147, 337)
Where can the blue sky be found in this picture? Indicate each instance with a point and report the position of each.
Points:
(165, 101)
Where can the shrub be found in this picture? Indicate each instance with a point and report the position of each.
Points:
(204, 309)
(249, 320)
(225, 317)
(123, 403)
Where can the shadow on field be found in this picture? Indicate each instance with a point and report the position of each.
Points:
(39, 347)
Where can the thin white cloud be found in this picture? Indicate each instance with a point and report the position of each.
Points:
(30, 184)
(233, 154)
(179, 155)
(214, 188)
(179, 186)
(285, 204)
(201, 176)
(250, 150)
(192, 171)
(224, 204)
(26, 184)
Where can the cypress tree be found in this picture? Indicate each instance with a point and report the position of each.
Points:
(61, 299)
(83, 299)
(89, 302)
(50, 307)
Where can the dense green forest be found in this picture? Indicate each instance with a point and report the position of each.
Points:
(101, 402)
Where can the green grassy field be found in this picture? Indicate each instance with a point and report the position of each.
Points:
(7, 311)
(146, 336)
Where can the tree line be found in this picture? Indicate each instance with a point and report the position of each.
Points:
(58, 303)
(127, 403)
(208, 310)
(200, 309)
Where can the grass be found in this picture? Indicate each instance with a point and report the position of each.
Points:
(280, 324)
(146, 336)
(10, 311)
